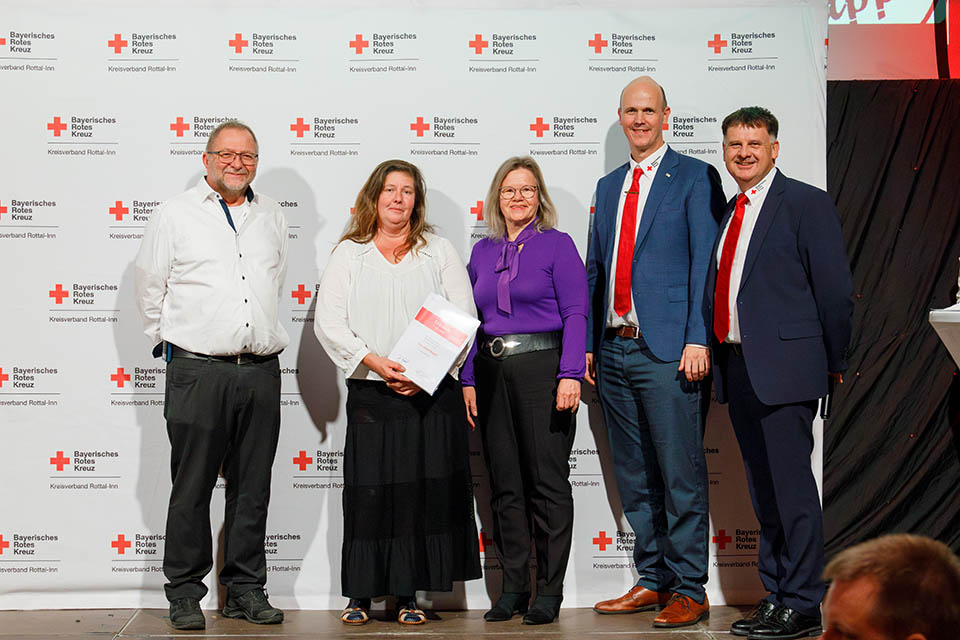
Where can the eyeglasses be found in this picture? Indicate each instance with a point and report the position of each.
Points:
(528, 192)
(226, 157)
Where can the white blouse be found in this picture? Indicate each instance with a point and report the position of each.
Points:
(365, 302)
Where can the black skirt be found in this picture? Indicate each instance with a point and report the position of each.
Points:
(408, 518)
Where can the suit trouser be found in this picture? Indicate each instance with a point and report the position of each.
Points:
(219, 415)
(526, 445)
(655, 422)
(776, 443)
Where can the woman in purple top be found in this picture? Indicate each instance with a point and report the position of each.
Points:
(521, 382)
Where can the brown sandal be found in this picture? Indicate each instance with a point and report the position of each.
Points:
(354, 615)
(411, 616)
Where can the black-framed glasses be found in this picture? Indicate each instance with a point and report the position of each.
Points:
(226, 157)
(528, 192)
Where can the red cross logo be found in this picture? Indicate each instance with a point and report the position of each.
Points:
(3, 376)
(117, 43)
(602, 540)
(484, 541)
(120, 377)
(179, 126)
(419, 126)
(3, 209)
(121, 544)
(300, 127)
(56, 126)
(478, 210)
(59, 294)
(238, 43)
(722, 539)
(301, 295)
(717, 43)
(119, 210)
(753, 192)
(598, 43)
(666, 125)
(303, 460)
(359, 44)
(60, 461)
(3, 543)
(3, 41)
(539, 126)
(478, 44)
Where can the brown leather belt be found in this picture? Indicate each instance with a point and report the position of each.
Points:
(625, 331)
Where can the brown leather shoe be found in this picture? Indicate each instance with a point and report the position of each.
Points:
(682, 611)
(634, 601)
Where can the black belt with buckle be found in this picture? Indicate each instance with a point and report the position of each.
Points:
(240, 358)
(516, 343)
(625, 331)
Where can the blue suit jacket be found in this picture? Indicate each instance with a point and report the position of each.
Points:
(795, 300)
(671, 255)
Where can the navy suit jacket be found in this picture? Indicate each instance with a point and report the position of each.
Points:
(795, 299)
(671, 255)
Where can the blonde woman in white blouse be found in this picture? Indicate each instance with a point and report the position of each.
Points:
(407, 498)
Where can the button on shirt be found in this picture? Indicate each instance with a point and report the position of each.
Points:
(649, 165)
(756, 195)
(206, 288)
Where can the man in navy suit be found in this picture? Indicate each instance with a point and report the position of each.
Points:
(654, 226)
(779, 299)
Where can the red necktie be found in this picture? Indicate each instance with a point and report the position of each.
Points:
(628, 236)
(721, 298)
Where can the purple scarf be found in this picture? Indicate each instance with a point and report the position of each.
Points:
(508, 265)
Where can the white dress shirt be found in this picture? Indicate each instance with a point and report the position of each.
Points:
(365, 302)
(207, 288)
(755, 197)
(649, 165)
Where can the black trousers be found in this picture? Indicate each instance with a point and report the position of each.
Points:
(219, 415)
(776, 442)
(526, 445)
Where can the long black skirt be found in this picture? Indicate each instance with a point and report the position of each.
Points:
(408, 518)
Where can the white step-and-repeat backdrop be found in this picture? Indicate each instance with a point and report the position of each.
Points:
(106, 111)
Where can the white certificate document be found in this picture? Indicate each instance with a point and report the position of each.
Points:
(946, 322)
(432, 342)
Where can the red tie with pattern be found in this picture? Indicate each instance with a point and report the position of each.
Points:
(628, 236)
(721, 298)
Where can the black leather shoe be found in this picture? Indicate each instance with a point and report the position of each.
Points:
(545, 610)
(254, 607)
(786, 624)
(185, 614)
(508, 604)
(759, 615)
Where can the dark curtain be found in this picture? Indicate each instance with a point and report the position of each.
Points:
(892, 447)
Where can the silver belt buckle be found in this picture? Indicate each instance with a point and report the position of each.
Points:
(497, 347)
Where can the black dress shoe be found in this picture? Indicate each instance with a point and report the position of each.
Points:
(185, 613)
(545, 610)
(786, 624)
(759, 615)
(509, 603)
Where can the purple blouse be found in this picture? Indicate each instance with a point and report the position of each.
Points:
(548, 294)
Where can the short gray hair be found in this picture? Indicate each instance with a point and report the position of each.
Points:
(230, 124)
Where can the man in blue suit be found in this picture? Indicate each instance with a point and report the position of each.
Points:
(779, 301)
(654, 226)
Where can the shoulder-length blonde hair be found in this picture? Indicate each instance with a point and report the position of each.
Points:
(365, 220)
(546, 213)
